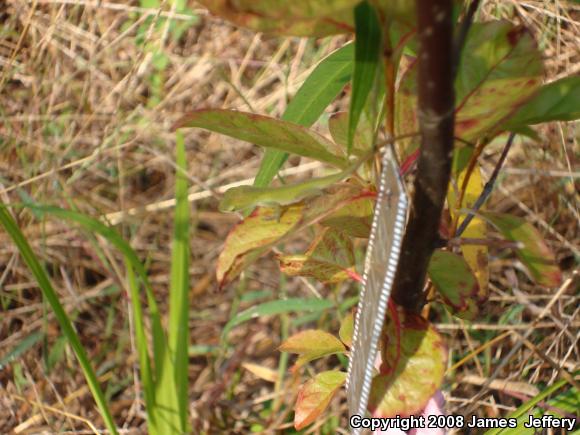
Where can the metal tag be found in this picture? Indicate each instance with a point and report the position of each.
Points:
(381, 262)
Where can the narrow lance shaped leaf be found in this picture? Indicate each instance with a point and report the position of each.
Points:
(318, 90)
(355, 219)
(252, 238)
(266, 132)
(367, 61)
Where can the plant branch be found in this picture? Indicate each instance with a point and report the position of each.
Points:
(488, 188)
(462, 35)
(436, 102)
(491, 243)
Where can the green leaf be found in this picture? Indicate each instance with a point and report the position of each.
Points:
(316, 93)
(68, 331)
(310, 345)
(500, 70)
(535, 254)
(347, 329)
(556, 101)
(455, 282)
(266, 132)
(321, 87)
(366, 65)
(329, 259)
(272, 308)
(315, 395)
(413, 364)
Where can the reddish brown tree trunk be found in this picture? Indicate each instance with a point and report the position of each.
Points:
(436, 102)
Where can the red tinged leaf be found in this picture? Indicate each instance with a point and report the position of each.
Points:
(414, 360)
(288, 17)
(355, 219)
(535, 254)
(253, 237)
(310, 345)
(266, 132)
(501, 69)
(263, 229)
(330, 259)
(315, 395)
(456, 284)
(303, 17)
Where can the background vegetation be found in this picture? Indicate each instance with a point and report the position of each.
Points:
(88, 94)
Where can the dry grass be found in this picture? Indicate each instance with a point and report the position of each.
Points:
(88, 91)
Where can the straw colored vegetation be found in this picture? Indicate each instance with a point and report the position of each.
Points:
(89, 91)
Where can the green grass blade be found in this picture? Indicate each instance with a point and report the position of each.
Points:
(277, 307)
(172, 399)
(316, 93)
(112, 236)
(59, 312)
(367, 62)
(527, 406)
(142, 348)
(20, 348)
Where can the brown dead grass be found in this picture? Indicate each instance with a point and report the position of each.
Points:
(84, 124)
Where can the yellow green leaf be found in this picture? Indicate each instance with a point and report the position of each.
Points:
(475, 255)
(312, 344)
(330, 258)
(414, 360)
(315, 395)
(347, 329)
